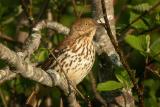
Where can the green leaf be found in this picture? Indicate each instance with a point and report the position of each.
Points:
(148, 42)
(153, 87)
(67, 20)
(123, 77)
(55, 40)
(137, 42)
(143, 7)
(139, 24)
(109, 86)
(42, 55)
(2, 63)
(155, 50)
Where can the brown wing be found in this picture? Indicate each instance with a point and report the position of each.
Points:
(48, 62)
(57, 52)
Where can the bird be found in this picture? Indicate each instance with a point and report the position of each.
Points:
(75, 55)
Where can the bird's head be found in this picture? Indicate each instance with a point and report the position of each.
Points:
(84, 27)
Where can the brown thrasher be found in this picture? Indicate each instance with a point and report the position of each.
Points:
(76, 53)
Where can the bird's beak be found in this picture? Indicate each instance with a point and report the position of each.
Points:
(100, 24)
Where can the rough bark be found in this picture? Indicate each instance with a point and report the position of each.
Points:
(108, 56)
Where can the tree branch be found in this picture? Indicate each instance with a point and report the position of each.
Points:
(6, 74)
(33, 41)
(58, 27)
(28, 70)
(97, 95)
(119, 51)
(24, 68)
(102, 42)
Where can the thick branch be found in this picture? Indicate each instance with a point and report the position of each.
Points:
(33, 41)
(58, 27)
(102, 41)
(6, 74)
(25, 69)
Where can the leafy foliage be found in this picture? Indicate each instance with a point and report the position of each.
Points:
(155, 49)
(141, 41)
(123, 78)
(143, 7)
(152, 87)
(109, 86)
(137, 42)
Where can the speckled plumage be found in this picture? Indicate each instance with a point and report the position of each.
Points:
(76, 53)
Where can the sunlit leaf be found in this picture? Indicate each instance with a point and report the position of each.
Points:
(42, 55)
(137, 42)
(109, 86)
(123, 77)
(155, 49)
(139, 24)
(140, 7)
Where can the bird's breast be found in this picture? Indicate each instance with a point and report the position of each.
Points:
(77, 61)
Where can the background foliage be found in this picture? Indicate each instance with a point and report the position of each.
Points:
(140, 42)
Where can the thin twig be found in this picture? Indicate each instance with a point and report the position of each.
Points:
(71, 94)
(75, 8)
(30, 18)
(45, 6)
(3, 99)
(68, 80)
(121, 55)
(28, 13)
(6, 74)
(155, 28)
(5, 37)
(120, 13)
(153, 71)
(97, 95)
(9, 39)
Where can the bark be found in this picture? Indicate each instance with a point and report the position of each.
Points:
(19, 63)
(108, 56)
